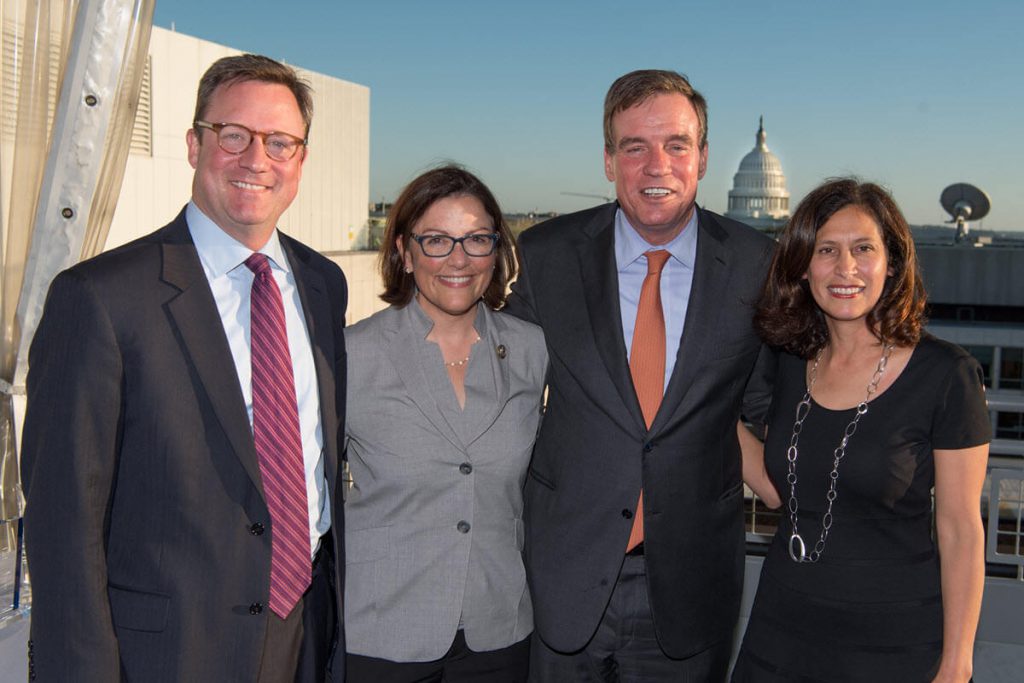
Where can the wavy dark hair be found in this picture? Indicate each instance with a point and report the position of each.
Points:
(449, 180)
(787, 315)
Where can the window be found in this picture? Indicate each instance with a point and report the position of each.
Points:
(1011, 368)
(142, 130)
(984, 356)
(1010, 426)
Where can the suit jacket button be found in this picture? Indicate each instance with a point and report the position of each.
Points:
(463, 527)
(628, 514)
(256, 608)
(256, 529)
(465, 468)
(648, 447)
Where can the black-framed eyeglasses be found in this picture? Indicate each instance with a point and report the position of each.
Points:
(234, 138)
(439, 246)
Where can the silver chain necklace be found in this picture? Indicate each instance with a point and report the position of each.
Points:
(797, 547)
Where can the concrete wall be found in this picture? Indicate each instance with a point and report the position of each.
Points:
(364, 286)
(981, 276)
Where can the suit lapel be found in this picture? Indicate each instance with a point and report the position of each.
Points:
(316, 308)
(404, 347)
(710, 276)
(488, 366)
(195, 315)
(601, 290)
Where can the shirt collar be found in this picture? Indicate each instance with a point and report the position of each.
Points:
(422, 323)
(219, 252)
(629, 245)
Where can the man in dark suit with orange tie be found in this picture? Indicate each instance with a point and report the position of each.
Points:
(185, 393)
(634, 543)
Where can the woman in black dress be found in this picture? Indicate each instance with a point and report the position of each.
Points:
(868, 415)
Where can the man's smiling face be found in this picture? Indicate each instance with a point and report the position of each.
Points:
(656, 165)
(245, 194)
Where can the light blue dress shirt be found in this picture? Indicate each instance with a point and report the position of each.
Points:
(223, 259)
(676, 281)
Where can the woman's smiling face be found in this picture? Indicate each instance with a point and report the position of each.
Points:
(450, 286)
(849, 266)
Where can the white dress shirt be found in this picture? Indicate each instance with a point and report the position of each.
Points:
(223, 259)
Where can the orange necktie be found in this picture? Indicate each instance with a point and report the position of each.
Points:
(647, 362)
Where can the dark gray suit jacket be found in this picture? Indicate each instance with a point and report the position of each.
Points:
(594, 451)
(147, 533)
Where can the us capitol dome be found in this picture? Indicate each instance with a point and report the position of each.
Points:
(759, 196)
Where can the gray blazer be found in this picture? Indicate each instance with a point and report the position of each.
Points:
(434, 529)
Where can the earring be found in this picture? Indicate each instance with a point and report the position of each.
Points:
(408, 269)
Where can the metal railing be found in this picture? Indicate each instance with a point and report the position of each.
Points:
(1003, 545)
(761, 523)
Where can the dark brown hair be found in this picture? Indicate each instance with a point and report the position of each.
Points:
(637, 87)
(787, 315)
(417, 197)
(240, 68)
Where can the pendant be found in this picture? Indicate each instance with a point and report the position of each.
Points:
(796, 542)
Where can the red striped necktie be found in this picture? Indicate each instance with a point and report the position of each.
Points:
(275, 429)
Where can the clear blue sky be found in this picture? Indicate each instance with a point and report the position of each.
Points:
(915, 94)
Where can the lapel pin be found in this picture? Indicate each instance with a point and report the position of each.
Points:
(501, 351)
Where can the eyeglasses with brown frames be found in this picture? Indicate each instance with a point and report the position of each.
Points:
(234, 138)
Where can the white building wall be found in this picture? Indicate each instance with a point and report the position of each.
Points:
(364, 284)
(330, 211)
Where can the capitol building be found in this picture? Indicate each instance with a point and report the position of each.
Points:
(759, 196)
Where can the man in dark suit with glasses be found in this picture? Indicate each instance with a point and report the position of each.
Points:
(185, 395)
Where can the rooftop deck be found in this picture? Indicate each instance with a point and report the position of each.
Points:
(999, 650)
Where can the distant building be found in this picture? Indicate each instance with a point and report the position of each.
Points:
(759, 196)
(976, 299)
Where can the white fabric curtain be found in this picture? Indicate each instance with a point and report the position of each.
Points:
(38, 38)
(119, 136)
(35, 39)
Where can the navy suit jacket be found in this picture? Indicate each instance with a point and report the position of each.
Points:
(147, 532)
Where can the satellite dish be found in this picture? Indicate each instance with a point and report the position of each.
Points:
(964, 202)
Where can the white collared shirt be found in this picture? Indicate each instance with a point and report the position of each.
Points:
(676, 281)
(223, 259)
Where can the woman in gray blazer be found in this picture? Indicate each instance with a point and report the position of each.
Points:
(444, 403)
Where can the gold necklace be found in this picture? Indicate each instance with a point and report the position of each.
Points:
(462, 361)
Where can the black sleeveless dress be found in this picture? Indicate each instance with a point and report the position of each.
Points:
(871, 608)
